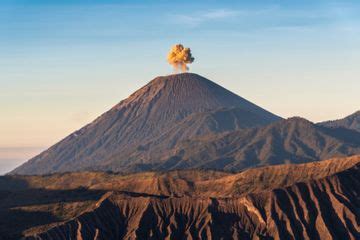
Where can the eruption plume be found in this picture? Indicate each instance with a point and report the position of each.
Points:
(179, 57)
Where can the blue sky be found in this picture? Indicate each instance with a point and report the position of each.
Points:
(65, 62)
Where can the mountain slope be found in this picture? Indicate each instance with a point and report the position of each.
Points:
(308, 201)
(294, 140)
(350, 122)
(145, 115)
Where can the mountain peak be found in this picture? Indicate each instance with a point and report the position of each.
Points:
(297, 120)
(351, 122)
(185, 93)
(183, 75)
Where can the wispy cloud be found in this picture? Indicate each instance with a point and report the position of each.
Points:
(272, 17)
(205, 16)
(221, 13)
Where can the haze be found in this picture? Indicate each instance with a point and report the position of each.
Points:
(64, 64)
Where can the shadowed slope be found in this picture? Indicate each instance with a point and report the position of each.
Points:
(294, 140)
(147, 114)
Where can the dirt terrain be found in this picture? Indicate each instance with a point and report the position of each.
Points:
(318, 200)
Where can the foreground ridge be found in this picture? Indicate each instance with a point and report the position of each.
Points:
(307, 201)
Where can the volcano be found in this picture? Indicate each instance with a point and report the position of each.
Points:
(166, 111)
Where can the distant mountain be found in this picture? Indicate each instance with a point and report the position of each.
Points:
(349, 122)
(318, 200)
(294, 140)
(161, 114)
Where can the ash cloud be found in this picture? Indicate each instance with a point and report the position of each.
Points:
(179, 57)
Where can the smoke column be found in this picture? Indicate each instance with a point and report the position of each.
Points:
(179, 57)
